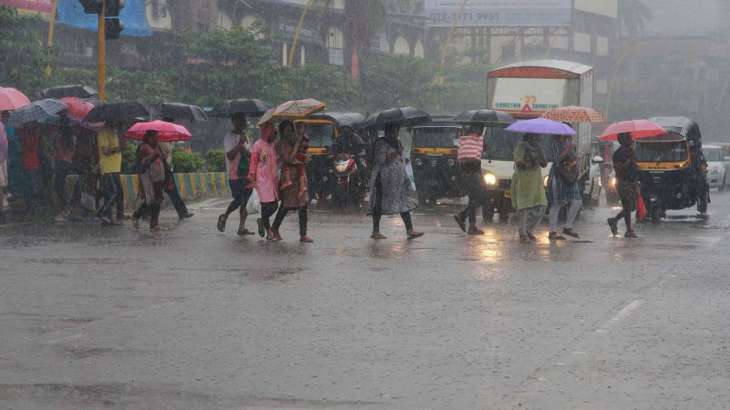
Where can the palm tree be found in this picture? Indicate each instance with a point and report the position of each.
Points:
(362, 19)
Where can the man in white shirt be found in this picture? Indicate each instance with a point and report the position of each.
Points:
(237, 148)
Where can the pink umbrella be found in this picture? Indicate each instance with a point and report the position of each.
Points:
(168, 131)
(11, 99)
(637, 128)
(78, 109)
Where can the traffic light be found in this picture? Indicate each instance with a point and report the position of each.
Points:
(114, 7)
(91, 6)
(113, 28)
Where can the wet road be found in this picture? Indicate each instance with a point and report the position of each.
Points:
(95, 317)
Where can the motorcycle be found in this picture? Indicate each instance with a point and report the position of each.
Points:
(349, 183)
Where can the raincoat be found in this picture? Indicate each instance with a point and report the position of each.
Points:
(389, 184)
(264, 168)
(527, 184)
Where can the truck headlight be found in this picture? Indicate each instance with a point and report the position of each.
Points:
(451, 162)
(418, 162)
(545, 181)
(490, 179)
(612, 182)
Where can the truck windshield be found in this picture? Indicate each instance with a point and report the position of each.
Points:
(437, 137)
(320, 135)
(713, 154)
(501, 145)
(665, 151)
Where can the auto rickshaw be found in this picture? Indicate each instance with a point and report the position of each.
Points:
(323, 130)
(433, 158)
(672, 168)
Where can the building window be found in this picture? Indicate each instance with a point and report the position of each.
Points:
(159, 9)
(401, 47)
(335, 46)
(418, 50)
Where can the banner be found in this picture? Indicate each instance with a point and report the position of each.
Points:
(38, 6)
(500, 13)
(133, 16)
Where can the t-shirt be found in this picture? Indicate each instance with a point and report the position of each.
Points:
(108, 164)
(470, 147)
(625, 167)
(230, 142)
(30, 154)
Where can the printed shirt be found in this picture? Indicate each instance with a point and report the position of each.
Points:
(108, 164)
(470, 147)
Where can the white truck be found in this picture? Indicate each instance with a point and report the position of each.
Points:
(527, 90)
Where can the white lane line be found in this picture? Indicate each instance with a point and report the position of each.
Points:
(621, 315)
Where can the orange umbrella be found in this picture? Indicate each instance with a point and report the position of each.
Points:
(296, 109)
(638, 129)
(12, 99)
(574, 114)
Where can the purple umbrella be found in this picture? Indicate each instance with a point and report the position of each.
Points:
(541, 126)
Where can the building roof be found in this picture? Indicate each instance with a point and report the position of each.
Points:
(562, 65)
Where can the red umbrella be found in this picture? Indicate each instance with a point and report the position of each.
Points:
(169, 132)
(11, 99)
(637, 128)
(77, 109)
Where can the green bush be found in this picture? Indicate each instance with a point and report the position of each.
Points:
(216, 160)
(186, 162)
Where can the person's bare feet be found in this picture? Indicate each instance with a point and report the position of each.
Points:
(378, 236)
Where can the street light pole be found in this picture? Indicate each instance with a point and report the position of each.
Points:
(101, 53)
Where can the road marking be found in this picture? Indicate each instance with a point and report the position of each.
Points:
(621, 315)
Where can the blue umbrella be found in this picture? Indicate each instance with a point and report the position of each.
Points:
(541, 126)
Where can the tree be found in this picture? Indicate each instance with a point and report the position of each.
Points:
(23, 54)
(633, 15)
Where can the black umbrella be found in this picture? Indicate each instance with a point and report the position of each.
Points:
(73, 90)
(122, 111)
(179, 111)
(250, 107)
(404, 116)
(484, 117)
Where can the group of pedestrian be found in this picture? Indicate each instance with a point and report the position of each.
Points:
(275, 167)
(36, 159)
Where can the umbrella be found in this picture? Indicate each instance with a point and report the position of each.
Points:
(299, 108)
(78, 109)
(122, 111)
(168, 131)
(541, 126)
(637, 128)
(484, 117)
(42, 111)
(11, 99)
(74, 90)
(182, 112)
(405, 116)
(250, 107)
(574, 114)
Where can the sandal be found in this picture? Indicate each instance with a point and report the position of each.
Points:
(244, 232)
(261, 227)
(378, 236)
(221, 225)
(413, 235)
(554, 236)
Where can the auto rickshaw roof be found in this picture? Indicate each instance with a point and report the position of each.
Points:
(342, 119)
(683, 127)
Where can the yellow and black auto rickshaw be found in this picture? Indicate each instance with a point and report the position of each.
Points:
(324, 130)
(433, 158)
(673, 168)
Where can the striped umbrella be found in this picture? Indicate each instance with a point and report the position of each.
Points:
(41, 111)
(574, 114)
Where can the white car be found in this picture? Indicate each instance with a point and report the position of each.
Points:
(716, 166)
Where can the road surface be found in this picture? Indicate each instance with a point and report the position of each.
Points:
(97, 317)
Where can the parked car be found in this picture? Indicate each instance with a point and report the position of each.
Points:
(717, 165)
